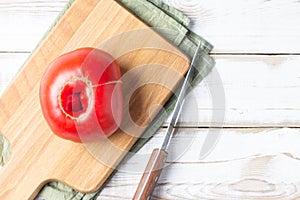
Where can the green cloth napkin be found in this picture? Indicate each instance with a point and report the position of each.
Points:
(161, 17)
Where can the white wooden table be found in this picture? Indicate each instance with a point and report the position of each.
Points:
(257, 50)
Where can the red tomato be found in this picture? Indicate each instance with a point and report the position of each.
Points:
(81, 95)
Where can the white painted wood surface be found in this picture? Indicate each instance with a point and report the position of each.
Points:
(258, 56)
(260, 90)
(255, 26)
(246, 164)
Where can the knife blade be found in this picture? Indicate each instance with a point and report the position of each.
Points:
(159, 155)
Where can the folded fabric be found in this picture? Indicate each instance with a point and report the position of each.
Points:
(4, 150)
(161, 17)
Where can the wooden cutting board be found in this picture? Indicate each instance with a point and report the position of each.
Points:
(150, 66)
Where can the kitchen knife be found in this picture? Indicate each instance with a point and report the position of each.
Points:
(159, 155)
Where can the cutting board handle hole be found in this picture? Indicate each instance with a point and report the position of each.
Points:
(5, 150)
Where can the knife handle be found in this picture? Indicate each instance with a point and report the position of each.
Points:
(151, 175)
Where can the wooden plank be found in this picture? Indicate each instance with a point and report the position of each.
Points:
(236, 26)
(83, 167)
(259, 177)
(233, 27)
(246, 164)
(233, 144)
(260, 91)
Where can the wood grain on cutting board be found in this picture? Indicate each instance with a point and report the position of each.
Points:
(37, 155)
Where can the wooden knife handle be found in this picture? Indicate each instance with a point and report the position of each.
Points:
(151, 175)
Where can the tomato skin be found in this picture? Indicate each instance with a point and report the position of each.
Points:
(81, 95)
